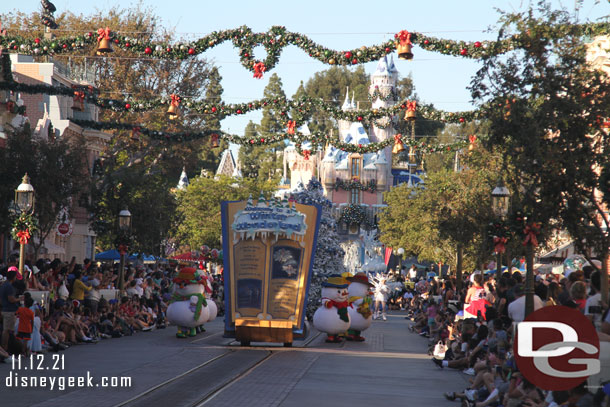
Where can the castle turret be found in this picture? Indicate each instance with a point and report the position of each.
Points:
(347, 106)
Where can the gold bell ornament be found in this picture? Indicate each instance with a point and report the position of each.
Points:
(404, 44)
(410, 114)
(399, 146)
(173, 111)
(215, 143)
(104, 43)
(472, 139)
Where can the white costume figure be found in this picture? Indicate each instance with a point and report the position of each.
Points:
(381, 292)
(360, 301)
(332, 317)
(188, 308)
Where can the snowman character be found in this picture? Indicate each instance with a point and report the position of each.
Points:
(212, 308)
(188, 308)
(332, 317)
(360, 300)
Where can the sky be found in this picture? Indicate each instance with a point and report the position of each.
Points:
(341, 25)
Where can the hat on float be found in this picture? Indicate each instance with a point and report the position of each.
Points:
(361, 278)
(189, 275)
(335, 281)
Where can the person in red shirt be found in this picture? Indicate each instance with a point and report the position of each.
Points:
(26, 322)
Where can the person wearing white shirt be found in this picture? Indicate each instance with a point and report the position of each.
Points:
(593, 306)
(516, 309)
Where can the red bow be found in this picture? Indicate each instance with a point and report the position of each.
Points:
(79, 95)
(398, 138)
(306, 154)
(259, 68)
(499, 243)
(404, 36)
(411, 106)
(472, 138)
(291, 126)
(24, 236)
(103, 34)
(175, 100)
(531, 231)
(122, 249)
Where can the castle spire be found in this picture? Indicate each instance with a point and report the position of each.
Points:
(346, 105)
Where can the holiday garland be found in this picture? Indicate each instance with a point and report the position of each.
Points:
(370, 186)
(278, 37)
(354, 214)
(24, 226)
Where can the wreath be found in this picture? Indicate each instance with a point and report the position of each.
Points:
(354, 214)
(370, 186)
(24, 227)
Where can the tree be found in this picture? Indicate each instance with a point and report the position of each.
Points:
(198, 206)
(57, 170)
(135, 171)
(329, 254)
(544, 105)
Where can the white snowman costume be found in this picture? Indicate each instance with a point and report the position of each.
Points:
(332, 317)
(212, 308)
(360, 314)
(188, 308)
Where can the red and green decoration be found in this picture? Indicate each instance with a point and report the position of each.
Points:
(499, 233)
(276, 39)
(24, 226)
(123, 241)
(370, 186)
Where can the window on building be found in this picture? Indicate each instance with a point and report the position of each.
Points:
(355, 196)
(355, 167)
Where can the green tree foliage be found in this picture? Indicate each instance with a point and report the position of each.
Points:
(198, 206)
(58, 172)
(135, 169)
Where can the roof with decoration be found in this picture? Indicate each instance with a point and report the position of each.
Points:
(356, 134)
(386, 67)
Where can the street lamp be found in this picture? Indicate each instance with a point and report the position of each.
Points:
(124, 226)
(24, 199)
(400, 252)
(500, 200)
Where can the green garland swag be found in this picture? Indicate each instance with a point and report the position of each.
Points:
(370, 186)
(354, 214)
(24, 226)
(277, 38)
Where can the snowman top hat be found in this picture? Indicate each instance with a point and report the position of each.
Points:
(335, 281)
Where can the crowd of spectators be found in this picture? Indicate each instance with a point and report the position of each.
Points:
(74, 309)
(471, 331)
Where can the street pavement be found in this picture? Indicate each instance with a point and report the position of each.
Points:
(391, 366)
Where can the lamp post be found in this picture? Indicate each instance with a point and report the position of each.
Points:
(500, 200)
(124, 226)
(400, 252)
(24, 199)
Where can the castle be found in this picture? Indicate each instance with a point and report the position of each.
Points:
(356, 179)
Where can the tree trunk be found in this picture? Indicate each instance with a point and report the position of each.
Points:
(529, 280)
(604, 276)
(458, 268)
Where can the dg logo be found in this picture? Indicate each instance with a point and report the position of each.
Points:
(557, 348)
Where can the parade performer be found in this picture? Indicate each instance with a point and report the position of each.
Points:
(381, 291)
(188, 308)
(476, 300)
(332, 317)
(360, 314)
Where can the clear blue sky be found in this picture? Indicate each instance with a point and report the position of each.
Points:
(438, 79)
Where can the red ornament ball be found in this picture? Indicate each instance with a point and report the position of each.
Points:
(464, 51)
(354, 61)
(127, 45)
(148, 50)
(37, 40)
(426, 42)
(251, 141)
(191, 51)
(477, 44)
(168, 49)
(213, 109)
(238, 111)
(127, 106)
(387, 50)
(116, 41)
(462, 120)
(246, 54)
(250, 105)
(348, 55)
(359, 118)
(63, 46)
(262, 140)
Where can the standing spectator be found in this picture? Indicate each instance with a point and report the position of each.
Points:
(9, 302)
(93, 296)
(413, 273)
(593, 306)
(579, 294)
(516, 309)
(26, 324)
(476, 298)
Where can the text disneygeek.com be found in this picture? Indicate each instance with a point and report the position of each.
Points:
(17, 380)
